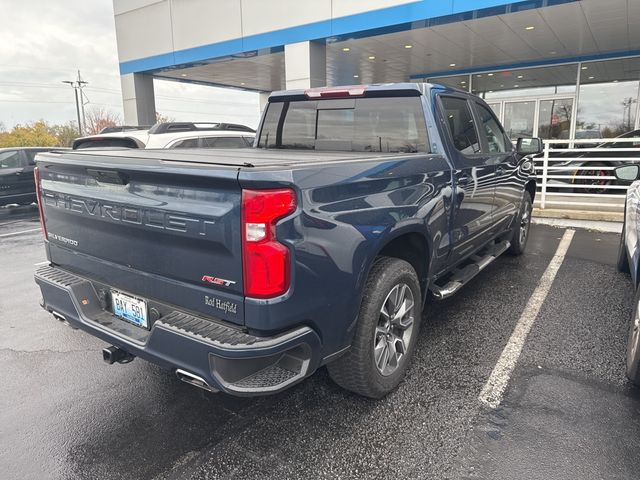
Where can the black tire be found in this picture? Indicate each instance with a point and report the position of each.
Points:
(520, 234)
(623, 259)
(633, 344)
(357, 370)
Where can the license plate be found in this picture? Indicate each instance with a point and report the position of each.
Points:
(131, 309)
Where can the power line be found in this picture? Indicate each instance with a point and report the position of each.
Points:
(77, 86)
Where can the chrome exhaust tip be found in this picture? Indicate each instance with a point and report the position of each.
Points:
(195, 380)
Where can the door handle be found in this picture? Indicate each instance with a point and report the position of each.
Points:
(462, 179)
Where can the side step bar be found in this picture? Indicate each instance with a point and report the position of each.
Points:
(462, 276)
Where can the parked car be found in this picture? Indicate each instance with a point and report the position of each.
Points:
(172, 135)
(16, 175)
(246, 270)
(629, 261)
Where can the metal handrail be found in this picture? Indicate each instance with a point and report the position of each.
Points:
(555, 180)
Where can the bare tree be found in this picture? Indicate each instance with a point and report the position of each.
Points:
(97, 118)
(160, 118)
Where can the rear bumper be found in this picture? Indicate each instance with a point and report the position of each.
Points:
(222, 355)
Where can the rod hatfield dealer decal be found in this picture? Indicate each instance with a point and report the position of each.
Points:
(222, 305)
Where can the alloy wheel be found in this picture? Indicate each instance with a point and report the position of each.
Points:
(394, 329)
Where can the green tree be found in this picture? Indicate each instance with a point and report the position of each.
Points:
(36, 134)
(65, 134)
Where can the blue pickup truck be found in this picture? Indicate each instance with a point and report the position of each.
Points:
(244, 271)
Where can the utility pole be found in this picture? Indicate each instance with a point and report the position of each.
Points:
(77, 86)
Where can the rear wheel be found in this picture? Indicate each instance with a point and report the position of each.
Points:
(386, 331)
(633, 344)
(520, 234)
(595, 185)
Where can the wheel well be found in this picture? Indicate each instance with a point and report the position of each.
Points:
(531, 188)
(412, 248)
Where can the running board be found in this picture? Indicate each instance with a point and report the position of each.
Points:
(461, 276)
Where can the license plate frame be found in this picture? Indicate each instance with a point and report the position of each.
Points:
(130, 308)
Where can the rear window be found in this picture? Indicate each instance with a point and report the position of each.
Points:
(389, 124)
(224, 142)
(104, 143)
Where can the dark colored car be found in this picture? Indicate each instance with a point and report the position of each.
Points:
(245, 270)
(591, 163)
(16, 175)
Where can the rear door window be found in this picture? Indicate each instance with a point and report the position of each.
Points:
(11, 159)
(462, 127)
(223, 142)
(187, 143)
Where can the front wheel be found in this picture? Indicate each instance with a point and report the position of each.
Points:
(633, 344)
(520, 234)
(386, 331)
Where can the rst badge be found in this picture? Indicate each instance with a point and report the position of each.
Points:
(217, 281)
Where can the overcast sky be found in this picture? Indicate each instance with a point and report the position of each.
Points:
(43, 42)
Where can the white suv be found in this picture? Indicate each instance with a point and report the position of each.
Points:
(173, 135)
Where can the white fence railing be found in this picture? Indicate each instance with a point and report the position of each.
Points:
(578, 174)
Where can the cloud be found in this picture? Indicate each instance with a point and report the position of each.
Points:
(43, 42)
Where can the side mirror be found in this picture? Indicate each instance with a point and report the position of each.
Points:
(627, 173)
(529, 146)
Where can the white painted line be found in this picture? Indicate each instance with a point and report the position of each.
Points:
(19, 233)
(39, 264)
(493, 390)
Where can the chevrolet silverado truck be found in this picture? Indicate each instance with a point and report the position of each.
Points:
(244, 271)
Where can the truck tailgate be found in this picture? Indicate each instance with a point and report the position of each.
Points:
(166, 232)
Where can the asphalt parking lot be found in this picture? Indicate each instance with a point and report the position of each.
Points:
(567, 412)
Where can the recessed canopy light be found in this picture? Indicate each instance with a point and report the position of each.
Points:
(372, 57)
(530, 27)
(520, 76)
(478, 76)
(183, 74)
(516, 86)
(552, 52)
(490, 91)
(241, 83)
(502, 85)
(584, 68)
(591, 78)
(408, 46)
(355, 76)
(345, 49)
(452, 64)
(489, 74)
(463, 82)
(615, 81)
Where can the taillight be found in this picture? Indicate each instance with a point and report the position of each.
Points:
(266, 262)
(36, 178)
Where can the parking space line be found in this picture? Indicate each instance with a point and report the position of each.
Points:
(2, 235)
(493, 390)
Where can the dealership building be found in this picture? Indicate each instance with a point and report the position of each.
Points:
(551, 68)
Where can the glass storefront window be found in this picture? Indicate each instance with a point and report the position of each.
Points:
(554, 118)
(608, 98)
(526, 82)
(519, 118)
